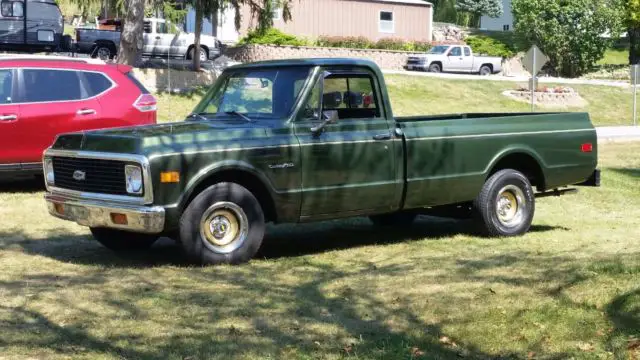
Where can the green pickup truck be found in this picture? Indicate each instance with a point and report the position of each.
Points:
(309, 140)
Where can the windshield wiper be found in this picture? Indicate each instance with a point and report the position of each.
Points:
(243, 116)
(200, 115)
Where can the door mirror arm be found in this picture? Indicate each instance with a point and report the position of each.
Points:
(328, 117)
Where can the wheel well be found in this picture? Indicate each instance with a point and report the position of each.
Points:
(436, 62)
(243, 178)
(525, 164)
(488, 65)
(106, 43)
(202, 46)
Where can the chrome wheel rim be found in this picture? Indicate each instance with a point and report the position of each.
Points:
(510, 205)
(224, 227)
(104, 53)
(203, 55)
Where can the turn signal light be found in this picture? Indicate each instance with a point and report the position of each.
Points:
(587, 147)
(119, 219)
(169, 177)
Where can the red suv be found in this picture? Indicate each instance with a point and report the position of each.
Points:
(41, 97)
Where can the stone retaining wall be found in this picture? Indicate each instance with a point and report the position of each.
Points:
(158, 79)
(386, 59)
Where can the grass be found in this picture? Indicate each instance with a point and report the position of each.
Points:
(334, 290)
(615, 56)
(414, 95)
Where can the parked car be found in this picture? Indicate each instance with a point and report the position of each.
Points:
(264, 146)
(32, 25)
(43, 96)
(454, 58)
(161, 39)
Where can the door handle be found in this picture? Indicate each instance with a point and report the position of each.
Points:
(386, 136)
(86, 112)
(10, 117)
(157, 37)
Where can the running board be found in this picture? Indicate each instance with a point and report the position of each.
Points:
(556, 192)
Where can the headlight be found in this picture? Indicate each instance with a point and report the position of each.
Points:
(133, 177)
(48, 172)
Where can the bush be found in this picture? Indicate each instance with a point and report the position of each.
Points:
(481, 44)
(271, 36)
(351, 42)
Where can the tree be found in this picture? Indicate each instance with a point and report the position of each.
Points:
(631, 10)
(477, 8)
(131, 38)
(570, 33)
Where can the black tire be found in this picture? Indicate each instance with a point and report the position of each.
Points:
(239, 208)
(393, 219)
(103, 52)
(485, 70)
(203, 54)
(493, 206)
(435, 68)
(120, 240)
(66, 43)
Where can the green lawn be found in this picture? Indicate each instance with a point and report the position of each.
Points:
(415, 95)
(337, 290)
(615, 57)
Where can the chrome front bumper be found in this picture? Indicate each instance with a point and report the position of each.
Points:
(93, 213)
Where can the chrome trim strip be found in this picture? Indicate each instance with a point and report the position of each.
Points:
(499, 134)
(90, 213)
(142, 160)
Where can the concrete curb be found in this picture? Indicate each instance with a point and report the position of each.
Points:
(617, 134)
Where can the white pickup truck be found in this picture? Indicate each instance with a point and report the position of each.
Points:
(454, 58)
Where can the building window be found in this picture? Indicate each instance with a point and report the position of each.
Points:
(386, 23)
(505, 27)
(276, 10)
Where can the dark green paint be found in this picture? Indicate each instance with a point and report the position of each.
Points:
(439, 160)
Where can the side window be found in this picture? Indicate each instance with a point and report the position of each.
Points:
(96, 83)
(51, 85)
(351, 95)
(6, 85)
(310, 110)
(455, 51)
(12, 9)
(147, 27)
(161, 28)
(467, 51)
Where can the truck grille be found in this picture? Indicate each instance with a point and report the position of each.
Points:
(415, 61)
(100, 176)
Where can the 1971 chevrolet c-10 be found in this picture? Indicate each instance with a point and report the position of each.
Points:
(309, 140)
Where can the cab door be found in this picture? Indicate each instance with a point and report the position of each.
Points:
(455, 60)
(347, 166)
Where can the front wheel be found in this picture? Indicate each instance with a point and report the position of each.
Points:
(120, 240)
(506, 204)
(103, 52)
(202, 54)
(435, 68)
(224, 224)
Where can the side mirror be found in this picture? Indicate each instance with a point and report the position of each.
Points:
(328, 117)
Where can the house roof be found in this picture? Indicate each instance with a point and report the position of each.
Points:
(410, 2)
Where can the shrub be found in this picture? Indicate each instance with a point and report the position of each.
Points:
(352, 42)
(481, 44)
(271, 36)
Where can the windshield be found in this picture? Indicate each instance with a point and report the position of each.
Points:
(254, 94)
(440, 49)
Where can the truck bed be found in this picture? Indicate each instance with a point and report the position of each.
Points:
(461, 116)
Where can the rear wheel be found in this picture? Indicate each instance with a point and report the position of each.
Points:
(103, 52)
(506, 204)
(393, 219)
(485, 70)
(435, 68)
(120, 240)
(223, 224)
(202, 53)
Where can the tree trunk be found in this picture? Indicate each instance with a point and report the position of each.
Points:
(131, 39)
(198, 31)
(634, 45)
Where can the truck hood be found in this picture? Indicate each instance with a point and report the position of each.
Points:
(160, 138)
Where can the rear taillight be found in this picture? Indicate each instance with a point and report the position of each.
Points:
(586, 147)
(146, 102)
